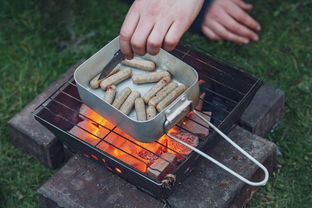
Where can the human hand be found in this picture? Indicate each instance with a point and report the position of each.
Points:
(152, 24)
(228, 20)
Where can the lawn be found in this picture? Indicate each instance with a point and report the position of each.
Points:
(35, 49)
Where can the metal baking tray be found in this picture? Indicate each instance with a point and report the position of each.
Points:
(144, 131)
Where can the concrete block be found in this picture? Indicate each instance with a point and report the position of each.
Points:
(264, 111)
(30, 136)
(84, 183)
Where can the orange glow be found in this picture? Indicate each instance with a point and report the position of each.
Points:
(118, 170)
(136, 154)
(95, 157)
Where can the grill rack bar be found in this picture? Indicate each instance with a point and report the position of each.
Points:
(115, 126)
(187, 46)
(225, 114)
(70, 81)
(210, 129)
(110, 131)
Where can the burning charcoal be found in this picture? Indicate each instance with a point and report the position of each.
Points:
(87, 113)
(84, 110)
(124, 150)
(82, 129)
(130, 147)
(196, 125)
(180, 148)
(149, 156)
(200, 104)
(162, 166)
(111, 142)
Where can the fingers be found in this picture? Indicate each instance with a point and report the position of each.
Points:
(243, 5)
(242, 17)
(156, 38)
(126, 32)
(139, 38)
(208, 32)
(152, 24)
(224, 33)
(235, 27)
(173, 36)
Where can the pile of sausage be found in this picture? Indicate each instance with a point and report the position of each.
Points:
(157, 98)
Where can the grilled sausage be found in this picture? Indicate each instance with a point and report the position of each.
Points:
(116, 78)
(162, 93)
(140, 63)
(150, 112)
(121, 97)
(149, 77)
(170, 98)
(140, 109)
(95, 82)
(110, 94)
(151, 92)
(127, 106)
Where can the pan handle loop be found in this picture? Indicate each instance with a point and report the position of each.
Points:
(266, 173)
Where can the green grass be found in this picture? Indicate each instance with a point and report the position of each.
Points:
(30, 61)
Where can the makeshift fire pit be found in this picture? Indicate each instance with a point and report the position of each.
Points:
(153, 167)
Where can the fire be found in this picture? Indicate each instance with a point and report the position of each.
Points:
(136, 154)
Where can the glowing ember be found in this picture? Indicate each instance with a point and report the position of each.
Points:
(180, 148)
(118, 144)
(89, 131)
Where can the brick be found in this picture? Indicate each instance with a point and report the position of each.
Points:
(162, 166)
(31, 137)
(84, 183)
(264, 111)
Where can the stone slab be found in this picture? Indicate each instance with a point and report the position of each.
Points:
(264, 111)
(84, 183)
(30, 136)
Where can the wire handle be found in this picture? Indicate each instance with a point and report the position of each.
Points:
(266, 173)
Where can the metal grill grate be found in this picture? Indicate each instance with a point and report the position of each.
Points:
(227, 93)
(56, 113)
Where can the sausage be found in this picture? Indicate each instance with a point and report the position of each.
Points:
(149, 77)
(162, 93)
(121, 97)
(170, 98)
(110, 94)
(127, 106)
(95, 82)
(151, 92)
(140, 63)
(150, 112)
(140, 109)
(116, 78)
